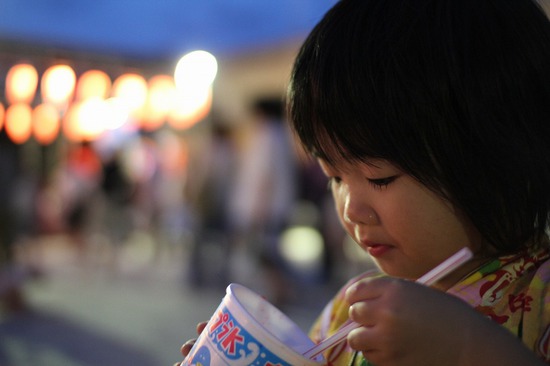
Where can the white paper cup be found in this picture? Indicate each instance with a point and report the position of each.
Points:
(248, 330)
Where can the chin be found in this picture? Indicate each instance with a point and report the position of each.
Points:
(398, 272)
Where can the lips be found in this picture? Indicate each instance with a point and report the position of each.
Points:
(376, 250)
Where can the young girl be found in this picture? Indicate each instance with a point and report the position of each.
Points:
(432, 120)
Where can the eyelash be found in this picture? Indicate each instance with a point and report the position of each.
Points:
(379, 183)
(382, 182)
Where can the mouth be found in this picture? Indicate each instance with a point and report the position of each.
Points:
(376, 250)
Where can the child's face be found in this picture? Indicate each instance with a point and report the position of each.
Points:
(406, 228)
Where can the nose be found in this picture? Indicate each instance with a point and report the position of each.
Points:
(357, 211)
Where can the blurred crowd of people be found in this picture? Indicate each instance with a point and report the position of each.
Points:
(221, 193)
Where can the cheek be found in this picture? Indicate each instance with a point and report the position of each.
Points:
(426, 221)
(339, 203)
(409, 212)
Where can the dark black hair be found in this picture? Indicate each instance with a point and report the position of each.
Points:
(456, 93)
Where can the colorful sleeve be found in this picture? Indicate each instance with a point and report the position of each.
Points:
(328, 319)
(537, 320)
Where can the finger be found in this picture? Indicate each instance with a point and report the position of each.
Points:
(187, 347)
(362, 290)
(363, 312)
(376, 346)
(201, 326)
(360, 339)
(369, 288)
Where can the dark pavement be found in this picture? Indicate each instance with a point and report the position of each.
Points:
(87, 314)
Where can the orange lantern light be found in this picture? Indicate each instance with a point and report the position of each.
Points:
(70, 123)
(160, 101)
(190, 109)
(92, 115)
(21, 83)
(117, 115)
(19, 122)
(45, 123)
(132, 90)
(85, 120)
(58, 84)
(93, 84)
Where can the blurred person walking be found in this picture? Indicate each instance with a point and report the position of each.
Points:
(208, 192)
(11, 297)
(265, 192)
(81, 177)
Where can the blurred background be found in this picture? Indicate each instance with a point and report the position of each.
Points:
(145, 164)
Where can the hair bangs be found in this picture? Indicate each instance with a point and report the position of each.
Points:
(334, 115)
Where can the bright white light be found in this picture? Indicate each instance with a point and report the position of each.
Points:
(92, 115)
(196, 69)
(193, 77)
(58, 83)
(118, 115)
(303, 246)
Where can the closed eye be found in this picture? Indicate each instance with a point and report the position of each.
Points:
(381, 183)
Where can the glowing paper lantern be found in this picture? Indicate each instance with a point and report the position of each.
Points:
(58, 84)
(93, 84)
(19, 122)
(45, 123)
(194, 75)
(190, 109)
(70, 123)
(196, 69)
(92, 115)
(85, 120)
(132, 90)
(160, 101)
(118, 114)
(21, 84)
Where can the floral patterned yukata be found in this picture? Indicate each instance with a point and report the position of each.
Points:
(512, 290)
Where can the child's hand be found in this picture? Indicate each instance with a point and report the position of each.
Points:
(404, 323)
(186, 347)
